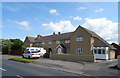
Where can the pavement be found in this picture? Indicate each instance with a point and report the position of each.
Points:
(99, 68)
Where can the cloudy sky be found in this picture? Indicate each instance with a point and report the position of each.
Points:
(21, 19)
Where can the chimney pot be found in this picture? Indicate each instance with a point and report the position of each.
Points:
(54, 33)
(39, 36)
(58, 32)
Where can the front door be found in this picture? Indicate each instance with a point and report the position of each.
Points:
(59, 50)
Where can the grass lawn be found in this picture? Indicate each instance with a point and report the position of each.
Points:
(23, 60)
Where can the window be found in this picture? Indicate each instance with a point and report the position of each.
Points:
(103, 51)
(57, 42)
(95, 51)
(50, 42)
(67, 41)
(32, 49)
(79, 50)
(36, 50)
(79, 39)
(43, 43)
(28, 52)
(99, 51)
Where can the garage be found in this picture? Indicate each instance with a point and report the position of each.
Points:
(100, 52)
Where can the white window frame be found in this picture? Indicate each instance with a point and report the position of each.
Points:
(58, 42)
(43, 43)
(79, 38)
(67, 41)
(79, 50)
(99, 48)
(50, 42)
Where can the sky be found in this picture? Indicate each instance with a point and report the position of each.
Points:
(21, 19)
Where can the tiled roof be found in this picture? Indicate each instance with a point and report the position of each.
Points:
(116, 46)
(93, 34)
(54, 37)
(32, 39)
(66, 36)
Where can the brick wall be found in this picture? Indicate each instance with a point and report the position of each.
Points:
(73, 57)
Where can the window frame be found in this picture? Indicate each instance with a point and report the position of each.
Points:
(50, 42)
(99, 51)
(58, 42)
(79, 38)
(43, 43)
(79, 50)
(67, 41)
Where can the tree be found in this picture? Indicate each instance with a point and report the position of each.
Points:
(16, 41)
(8, 45)
(5, 45)
(16, 44)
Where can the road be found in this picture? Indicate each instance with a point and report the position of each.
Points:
(13, 68)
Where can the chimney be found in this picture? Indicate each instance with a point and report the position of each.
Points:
(38, 36)
(54, 33)
(58, 32)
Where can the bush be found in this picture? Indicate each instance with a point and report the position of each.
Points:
(23, 48)
(5, 50)
(16, 47)
(13, 45)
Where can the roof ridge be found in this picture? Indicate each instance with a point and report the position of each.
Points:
(30, 36)
(92, 33)
(57, 34)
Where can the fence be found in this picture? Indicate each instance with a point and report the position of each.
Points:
(16, 52)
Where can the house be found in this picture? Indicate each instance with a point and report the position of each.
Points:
(29, 41)
(81, 43)
(117, 51)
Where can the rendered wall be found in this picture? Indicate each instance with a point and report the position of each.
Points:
(112, 54)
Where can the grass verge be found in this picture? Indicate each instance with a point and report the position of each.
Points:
(23, 60)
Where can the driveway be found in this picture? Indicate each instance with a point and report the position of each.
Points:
(101, 68)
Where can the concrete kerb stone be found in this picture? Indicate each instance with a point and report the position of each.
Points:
(69, 61)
